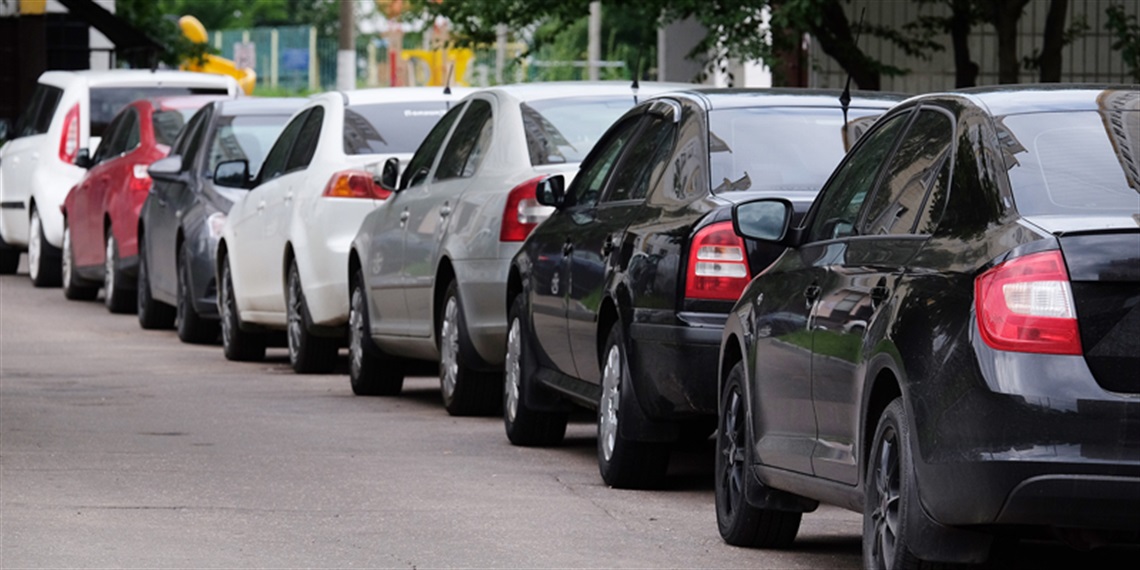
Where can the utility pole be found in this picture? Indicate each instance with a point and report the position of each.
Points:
(594, 41)
(346, 50)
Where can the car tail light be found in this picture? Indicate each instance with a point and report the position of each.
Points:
(140, 180)
(69, 140)
(718, 266)
(354, 184)
(522, 212)
(1026, 305)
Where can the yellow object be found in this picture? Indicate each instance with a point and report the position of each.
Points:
(438, 62)
(196, 32)
(33, 7)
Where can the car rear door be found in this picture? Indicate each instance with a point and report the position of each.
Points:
(164, 209)
(19, 159)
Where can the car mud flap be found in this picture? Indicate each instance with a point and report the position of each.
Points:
(636, 425)
(929, 540)
(762, 496)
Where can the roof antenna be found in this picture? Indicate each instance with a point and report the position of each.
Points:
(635, 86)
(447, 85)
(845, 97)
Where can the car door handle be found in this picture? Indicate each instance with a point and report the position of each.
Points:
(812, 293)
(567, 247)
(879, 293)
(404, 218)
(607, 246)
(261, 206)
(288, 197)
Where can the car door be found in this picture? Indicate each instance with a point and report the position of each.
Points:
(84, 220)
(20, 157)
(785, 422)
(429, 208)
(385, 272)
(854, 307)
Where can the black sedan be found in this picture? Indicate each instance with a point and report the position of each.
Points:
(617, 301)
(967, 288)
(183, 216)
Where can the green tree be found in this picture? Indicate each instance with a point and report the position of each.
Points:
(1127, 32)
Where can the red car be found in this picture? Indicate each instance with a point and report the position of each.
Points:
(101, 213)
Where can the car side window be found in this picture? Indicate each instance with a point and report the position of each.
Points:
(194, 144)
(839, 203)
(36, 118)
(592, 176)
(307, 139)
(421, 162)
(113, 140)
(902, 200)
(469, 143)
(131, 130)
(274, 164)
(648, 155)
(188, 132)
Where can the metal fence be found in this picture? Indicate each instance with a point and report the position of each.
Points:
(292, 58)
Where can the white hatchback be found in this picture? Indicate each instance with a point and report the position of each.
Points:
(285, 244)
(69, 111)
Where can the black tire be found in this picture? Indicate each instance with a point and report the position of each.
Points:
(192, 328)
(116, 295)
(465, 390)
(237, 345)
(623, 462)
(740, 523)
(153, 314)
(44, 259)
(370, 373)
(9, 258)
(525, 426)
(74, 286)
(308, 354)
(887, 488)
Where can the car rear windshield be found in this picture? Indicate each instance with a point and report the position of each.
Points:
(36, 118)
(1073, 162)
(780, 148)
(106, 102)
(559, 131)
(246, 137)
(384, 128)
(168, 123)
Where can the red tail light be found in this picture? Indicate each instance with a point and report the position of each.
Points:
(140, 180)
(718, 264)
(69, 140)
(354, 184)
(1026, 305)
(522, 212)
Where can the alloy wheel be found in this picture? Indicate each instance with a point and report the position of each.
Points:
(611, 399)
(35, 246)
(295, 325)
(356, 333)
(886, 508)
(65, 264)
(449, 347)
(181, 306)
(109, 266)
(226, 304)
(732, 447)
(513, 369)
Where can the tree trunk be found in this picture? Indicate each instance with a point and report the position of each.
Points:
(1004, 15)
(834, 36)
(961, 22)
(1054, 40)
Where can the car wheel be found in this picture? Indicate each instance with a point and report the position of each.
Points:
(192, 328)
(525, 425)
(116, 296)
(153, 314)
(308, 354)
(74, 287)
(369, 372)
(9, 258)
(740, 523)
(466, 391)
(623, 462)
(887, 488)
(44, 264)
(237, 344)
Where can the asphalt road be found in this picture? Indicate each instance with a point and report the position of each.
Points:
(125, 448)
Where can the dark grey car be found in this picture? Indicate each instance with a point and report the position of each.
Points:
(186, 209)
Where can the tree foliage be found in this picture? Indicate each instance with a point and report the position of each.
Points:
(1126, 30)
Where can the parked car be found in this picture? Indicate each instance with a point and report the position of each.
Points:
(69, 111)
(618, 299)
(285, 243)
(968, 284)
(430, 267)
(101, 213)
(183, 216)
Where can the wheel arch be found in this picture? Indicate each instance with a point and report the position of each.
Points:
(287, 258)
(884, 389)
(353, 267)
(444, 274)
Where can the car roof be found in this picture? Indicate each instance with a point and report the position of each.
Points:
(398, 95)
(136, 77)
(1035, 98)
(261, 106)
(561, 89)
(718, 98)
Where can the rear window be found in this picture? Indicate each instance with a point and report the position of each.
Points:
(780, 148)
(560, 131)
(167, 124)
(246, 137)
(1073, 162)
(36, 117)
(106, 102)
(388, 128)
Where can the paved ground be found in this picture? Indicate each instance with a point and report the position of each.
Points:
(125, 448)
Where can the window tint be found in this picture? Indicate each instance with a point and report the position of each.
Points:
(274, 165)
(246, 137)
(131, 131)
(36, 118)
(564, 130)
(389, 127)
(901, 200)
(838, 205)
(114, 143)
(591, 178)
(194, 144)
(106, 102)
(469, 143)
(307, 139)
(648, 155)
(188, 133)
(167, 125)
(421, 162)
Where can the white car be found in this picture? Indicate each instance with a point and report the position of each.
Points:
(429, 268)
(284, 246)
(69, 111)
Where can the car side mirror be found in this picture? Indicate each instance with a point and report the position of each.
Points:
(166, 169)
(390, 175)
(83, 159)
(232, 174)
(5, 130)
(551, 191)
(766, 219)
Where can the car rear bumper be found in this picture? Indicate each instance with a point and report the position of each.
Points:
(673, 366)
